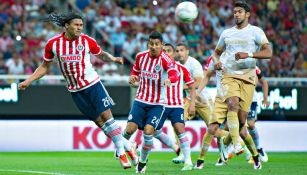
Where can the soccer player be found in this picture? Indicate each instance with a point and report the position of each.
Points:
(240, 46)
(72, 50)
(252, 115)
(155, 70)
(174, 111)
(204, 107)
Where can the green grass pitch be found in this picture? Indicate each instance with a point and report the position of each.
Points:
(103, 163)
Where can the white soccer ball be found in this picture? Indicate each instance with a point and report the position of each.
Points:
(186, 12)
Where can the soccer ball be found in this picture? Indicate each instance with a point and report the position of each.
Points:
(186, 12)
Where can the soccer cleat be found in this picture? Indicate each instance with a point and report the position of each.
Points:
(124, 161)
(141, 168)
(263, 156)
(179, 159)
(133, 154)
(187, 167)
(199, 164)
(257, 163)
(238, 149)
(229, 150)
(222, 149)
(220, 162)
(178, 151)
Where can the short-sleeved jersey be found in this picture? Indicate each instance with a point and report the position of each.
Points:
(195, 69)
(152, 71)
(73, 57)
(174, 93)
(248, 39)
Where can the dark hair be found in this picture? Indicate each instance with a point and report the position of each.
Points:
(243, 4)
(182, 44)
(61, 19)
(169, 44)
(155, 35)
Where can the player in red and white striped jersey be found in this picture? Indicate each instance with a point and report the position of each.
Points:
(154, 70)
(72, 50)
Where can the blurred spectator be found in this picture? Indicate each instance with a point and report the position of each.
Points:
(15, 65)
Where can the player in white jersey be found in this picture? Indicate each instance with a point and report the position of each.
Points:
(204, 105)
(240, 46)
(72, 50)
(252, 115)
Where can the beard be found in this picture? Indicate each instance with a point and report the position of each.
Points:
(239, 21)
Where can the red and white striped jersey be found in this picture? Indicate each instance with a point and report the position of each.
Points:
(174, 93)
(152, 71)
(73, 57)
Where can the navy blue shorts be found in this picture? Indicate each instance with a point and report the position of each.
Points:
(253, 111)
(146, 114)
(93, 101)
(175, 115)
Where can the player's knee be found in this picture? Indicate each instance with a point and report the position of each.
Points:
(131, 128)
(251, 124)
(233, 105)
(149, 130)
(179, 128)
(243, 133)
(212, 129)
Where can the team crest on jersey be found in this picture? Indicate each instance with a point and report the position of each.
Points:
(158, 68)
(80, 47)
(130, 117)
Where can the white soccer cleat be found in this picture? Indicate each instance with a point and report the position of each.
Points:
(220, 162)
(257, 162)
(187, 167)
(133, 154)
(179, 159)
(199, 164)
(140, 168)
(263, 156)
(124, 161)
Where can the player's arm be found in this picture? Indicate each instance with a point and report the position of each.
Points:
(191, 109)
(38, 73)
(265, 90)
(219, 49)
(135, 73)
(105, 56)
(204, 82)
(172, 74)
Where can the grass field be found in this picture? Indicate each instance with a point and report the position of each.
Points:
(103, 163)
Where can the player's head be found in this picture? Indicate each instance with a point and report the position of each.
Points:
(241, 12)
(72, 22)
(182, 52)
(169, 49)
(155, 43)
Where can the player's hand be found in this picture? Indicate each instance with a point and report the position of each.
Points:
(241, 55)
(118, 60)
(133, 79)
(167, 82)
(23, 85)
(265, 103)
(218, 66)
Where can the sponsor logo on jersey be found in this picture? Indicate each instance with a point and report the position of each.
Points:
(150, 75)
(71, 58)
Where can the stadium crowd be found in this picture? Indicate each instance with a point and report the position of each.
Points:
(127, 24)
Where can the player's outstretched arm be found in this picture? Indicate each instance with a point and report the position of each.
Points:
(105, 56)
(39, 73)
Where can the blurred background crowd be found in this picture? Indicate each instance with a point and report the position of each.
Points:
(122, 27)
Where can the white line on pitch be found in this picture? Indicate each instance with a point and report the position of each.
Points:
(31, 171)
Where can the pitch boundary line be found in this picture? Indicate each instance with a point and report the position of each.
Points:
(32, 171)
